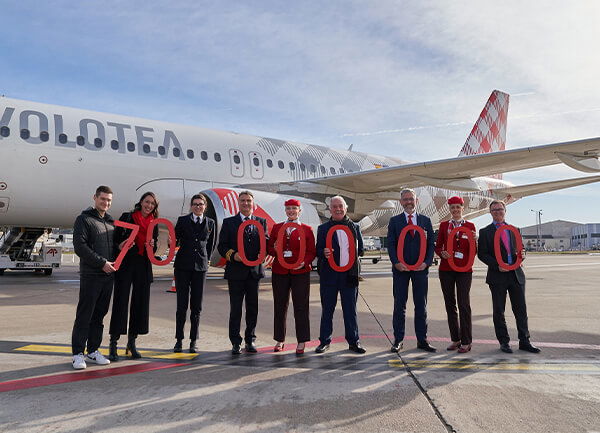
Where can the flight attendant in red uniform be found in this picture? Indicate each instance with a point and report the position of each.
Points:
(456, 285)
(296, 281)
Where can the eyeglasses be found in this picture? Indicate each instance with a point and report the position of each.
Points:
(497, 209)
(198, 204)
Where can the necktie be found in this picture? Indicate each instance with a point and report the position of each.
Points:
(248, 229)
(410, 221)
(506, 242)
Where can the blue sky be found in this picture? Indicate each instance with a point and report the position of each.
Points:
(330, 73)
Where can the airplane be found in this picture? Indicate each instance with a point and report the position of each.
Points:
(52, 158)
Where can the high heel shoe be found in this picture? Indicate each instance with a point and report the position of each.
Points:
(131, 349)
(300, 348)
(455, 345)
(464, 348)
(279, 346)
(112, 349)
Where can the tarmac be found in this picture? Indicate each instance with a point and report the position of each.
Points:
(484, 390)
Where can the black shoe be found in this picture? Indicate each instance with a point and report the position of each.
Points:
(505, 347)
(131, 349)
(178, 346)
(193, 346)
(251, 348)
(424, 345)
(236, 349)
(113, 356)
(357, 348)
(528, 347)
(322, 348)
(397, 346)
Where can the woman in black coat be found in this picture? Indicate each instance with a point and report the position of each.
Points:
(136, 271)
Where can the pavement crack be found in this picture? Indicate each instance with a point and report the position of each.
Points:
(414, 378)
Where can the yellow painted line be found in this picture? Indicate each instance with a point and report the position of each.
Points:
(463, 365)
(46, 348)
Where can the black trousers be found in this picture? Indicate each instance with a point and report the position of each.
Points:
(190, 288)
(94, 299)
(516, 292)
(456, 286)
(299, 286)
(135, 271)
(238, 291)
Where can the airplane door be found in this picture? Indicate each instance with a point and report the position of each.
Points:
(170, 194)
(256, 165)
(236, 159)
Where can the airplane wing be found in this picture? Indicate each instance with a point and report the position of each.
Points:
(521, 191)
(457, 173)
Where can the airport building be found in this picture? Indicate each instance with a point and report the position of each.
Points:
(585, 237)
(549, 236)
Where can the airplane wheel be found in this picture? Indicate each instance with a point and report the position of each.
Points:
(47, 271)
(1, 271)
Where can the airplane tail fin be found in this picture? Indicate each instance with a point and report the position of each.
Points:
(489, 132)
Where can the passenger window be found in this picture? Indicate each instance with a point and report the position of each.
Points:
(269, 163)
(162, 150)
(190, 154)
(302, 167)
(218, 157)
(80, 140)
(176, 152)
(114, 145)
(313, 169)
(44, 136)
(292, 166)
(98, 142)
(24, 134)
(204, 155)
(256, 162)
(131, 146)
(5, 131)
(62, 138)
(332, 170)
(280, 164)
(236, 159)
(146, 148)
(323, 171)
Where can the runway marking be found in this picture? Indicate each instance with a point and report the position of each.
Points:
(501, 366)
(35, 382)
(48, 348)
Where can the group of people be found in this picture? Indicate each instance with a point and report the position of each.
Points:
(339, 245)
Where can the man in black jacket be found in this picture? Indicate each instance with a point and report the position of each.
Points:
(196, 239)
(93, 243)
(242, 279)
(502, 280)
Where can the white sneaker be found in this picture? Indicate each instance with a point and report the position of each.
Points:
(97, 358)
(79, 362)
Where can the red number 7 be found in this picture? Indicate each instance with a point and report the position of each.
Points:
(134, 231)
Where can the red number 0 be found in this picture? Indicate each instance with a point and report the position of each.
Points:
(472, 248)
(263, 243)
(172, 241)
(519, 248)
(134, 231)
(422, 248)
(351, 248)
(279, 247)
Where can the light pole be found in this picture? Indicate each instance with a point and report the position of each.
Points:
(538, 227)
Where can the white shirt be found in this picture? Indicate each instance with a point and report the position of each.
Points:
(344, 247)
(414, 217)
(197, 219)
(243, 217)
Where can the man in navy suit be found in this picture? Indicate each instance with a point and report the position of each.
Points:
(402, 275)
(332, 281)
(242, 279)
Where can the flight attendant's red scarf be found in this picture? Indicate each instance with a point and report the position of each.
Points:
(140, 239)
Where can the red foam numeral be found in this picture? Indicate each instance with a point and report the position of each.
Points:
(471, 238)
(351, 248)
(134, 231)
(172, 241)
(263, 243)
(422, 247)
(498, 253)
(279, 246)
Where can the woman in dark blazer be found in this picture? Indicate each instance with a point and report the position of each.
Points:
(136, 271)
(456, 286)
(296, 281)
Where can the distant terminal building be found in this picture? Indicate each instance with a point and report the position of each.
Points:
(549, 236)
(585, 237)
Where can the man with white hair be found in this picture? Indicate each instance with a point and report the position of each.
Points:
(334, 281)
(402, 275)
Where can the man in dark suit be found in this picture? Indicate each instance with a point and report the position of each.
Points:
(501, 280)
(196, 239)
(242, 279)
(402, 275)
(332, 281)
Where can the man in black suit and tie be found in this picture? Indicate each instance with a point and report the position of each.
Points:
(242, 279)
(501, 280)
(196, 239)
(402, 275)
